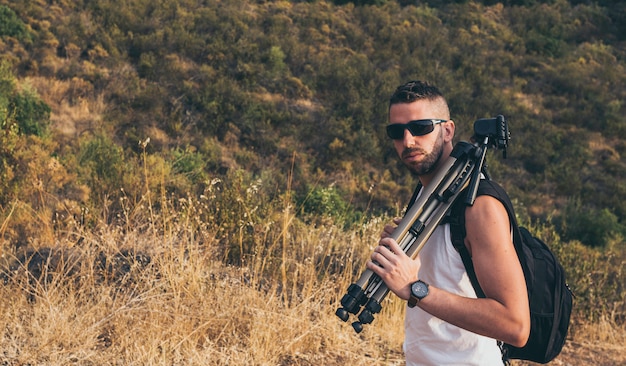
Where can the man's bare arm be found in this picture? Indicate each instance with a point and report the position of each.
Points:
(504, 313)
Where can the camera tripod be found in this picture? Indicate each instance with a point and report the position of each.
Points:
(461, 170)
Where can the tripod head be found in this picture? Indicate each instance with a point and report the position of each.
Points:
(488, 133)
(492, 132)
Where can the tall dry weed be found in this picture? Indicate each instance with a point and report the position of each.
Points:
(228, 277)
(157, 289)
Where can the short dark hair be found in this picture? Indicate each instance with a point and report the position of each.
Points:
(415, 90)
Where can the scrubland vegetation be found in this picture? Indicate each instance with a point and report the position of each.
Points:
(176, 288)
(198, 182)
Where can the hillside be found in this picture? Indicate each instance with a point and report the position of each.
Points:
(301, 88)
(251, 135)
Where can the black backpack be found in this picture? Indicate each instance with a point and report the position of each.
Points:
(549, 296)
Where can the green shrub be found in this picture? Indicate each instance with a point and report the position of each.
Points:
(101, 165)
(32, 114)
(324, 201)
(11, 25)
(322, 204)
(24, 110)
(189, 163)
(593, 227)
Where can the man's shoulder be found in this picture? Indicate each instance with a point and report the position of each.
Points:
(491, 208)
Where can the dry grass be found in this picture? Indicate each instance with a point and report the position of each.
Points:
(102, 302)
(75, 107)
(159, 291)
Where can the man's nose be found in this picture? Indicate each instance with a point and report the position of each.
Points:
(408, 139)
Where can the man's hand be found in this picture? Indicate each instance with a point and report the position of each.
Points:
(389, 228)
(393, 266)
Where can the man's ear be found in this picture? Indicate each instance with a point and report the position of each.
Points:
(448, 128)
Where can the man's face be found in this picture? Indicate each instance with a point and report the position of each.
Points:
(420, 154)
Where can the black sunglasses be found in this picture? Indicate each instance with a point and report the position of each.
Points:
(418, 127)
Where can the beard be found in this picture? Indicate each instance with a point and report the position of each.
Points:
(429, 162)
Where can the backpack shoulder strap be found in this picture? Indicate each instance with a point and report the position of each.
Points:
(456, 219)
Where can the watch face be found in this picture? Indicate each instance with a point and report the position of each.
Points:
(419, 289)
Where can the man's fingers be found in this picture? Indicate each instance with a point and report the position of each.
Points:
(390, 245)
(389, 228)
(387, 231)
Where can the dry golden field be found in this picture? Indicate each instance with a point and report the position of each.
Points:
(158, 290)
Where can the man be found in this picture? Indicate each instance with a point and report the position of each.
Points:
(445, 323)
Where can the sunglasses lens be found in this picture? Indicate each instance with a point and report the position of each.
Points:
(396, 131)
(420, 129)
(417, 128)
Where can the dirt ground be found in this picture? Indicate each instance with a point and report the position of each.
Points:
(587, 354)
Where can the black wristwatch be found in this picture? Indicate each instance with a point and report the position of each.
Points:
(419, 290)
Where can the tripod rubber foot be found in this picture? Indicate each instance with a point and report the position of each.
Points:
(342, 314)
(358, 327)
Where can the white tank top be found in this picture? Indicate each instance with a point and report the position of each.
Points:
(431, 341)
